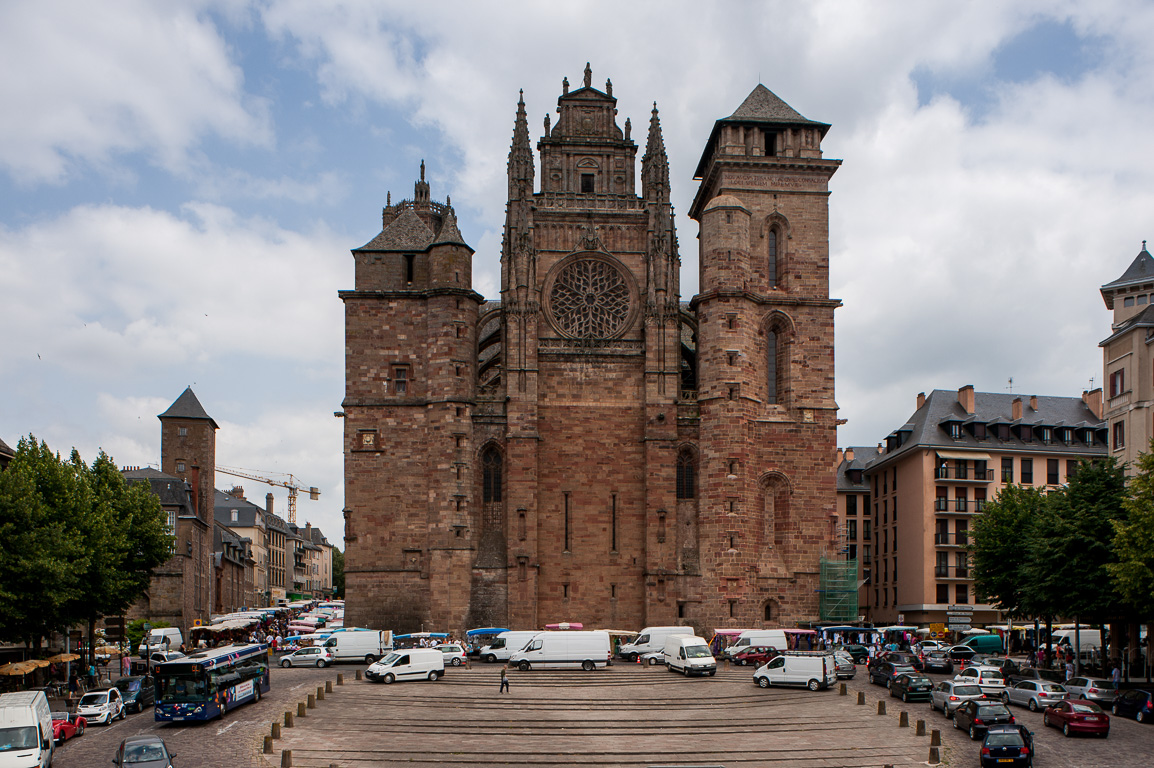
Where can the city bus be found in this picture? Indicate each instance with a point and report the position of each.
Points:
(210, 682)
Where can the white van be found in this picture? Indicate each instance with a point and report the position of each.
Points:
(1087, 638)
(408, 664)
(569, 649)
(810, 669)
(689, 655)
(773, 638)
(26, 722)
(506, 644)
(367, 644)
(161, 639)
(651, 640)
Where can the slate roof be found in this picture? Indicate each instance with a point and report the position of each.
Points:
(172, 491)
(449, 234)
(1141, 270)
(249, 515)
(925, 428)
(405, 233)
(764, 106)
(275, 522)
(187, 407)
(1144, 319)
(862, 455)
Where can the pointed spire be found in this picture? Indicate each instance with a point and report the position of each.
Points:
(520, 156)
(655, 163)
(421, 188)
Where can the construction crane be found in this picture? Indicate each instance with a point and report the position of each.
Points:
(313, 492)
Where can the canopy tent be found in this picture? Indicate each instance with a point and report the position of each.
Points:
(976, 631)
(621, 632)
(566, 625)
(485, 631)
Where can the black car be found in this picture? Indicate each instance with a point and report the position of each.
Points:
(138, 692)
(1136, 703)
(960, 654)
(143, 752)
(859, 653)
(899, 657)
(1008, 745)
(882, 671)
(935, 661)
(911, 686)
(976, 716)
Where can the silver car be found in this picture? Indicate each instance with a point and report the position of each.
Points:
(844, 666)
(948, 694)
(988, 678)
(1091, 689)
(1035, 694)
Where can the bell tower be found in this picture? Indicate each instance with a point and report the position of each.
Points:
(765, 358)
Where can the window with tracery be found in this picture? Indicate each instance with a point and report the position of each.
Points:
(590, 299)
(490, 475)
(686, 475)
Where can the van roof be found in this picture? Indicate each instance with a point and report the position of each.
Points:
(19, 698)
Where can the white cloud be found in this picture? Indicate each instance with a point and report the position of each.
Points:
(88, 81)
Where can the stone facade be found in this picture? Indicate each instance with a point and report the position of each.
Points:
(590, 448)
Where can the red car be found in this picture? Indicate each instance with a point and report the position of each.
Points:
(756, 656)
(65, 725)
(1078, 717)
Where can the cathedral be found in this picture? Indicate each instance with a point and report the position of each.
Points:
(589, 447)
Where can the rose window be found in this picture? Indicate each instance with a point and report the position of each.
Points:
(590, 299)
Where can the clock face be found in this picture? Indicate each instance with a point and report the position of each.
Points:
(590, 299)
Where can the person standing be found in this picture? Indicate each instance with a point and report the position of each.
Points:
(505, 679)
(1116, 676)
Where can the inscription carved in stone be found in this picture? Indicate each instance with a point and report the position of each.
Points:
(590, 299)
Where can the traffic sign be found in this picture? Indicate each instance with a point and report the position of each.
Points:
(959, 627)
(960, 608)
(959, 616)
(937, 629)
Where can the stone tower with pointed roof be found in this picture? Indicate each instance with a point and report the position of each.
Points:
(580, 449)
(1128, 360)
(765, 364)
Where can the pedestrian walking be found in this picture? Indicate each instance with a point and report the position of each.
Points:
(1116, 676)
(1069, 670)
(505, 679)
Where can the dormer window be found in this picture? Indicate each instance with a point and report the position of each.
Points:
(955, 430)
(979, 430)
(1046, 435)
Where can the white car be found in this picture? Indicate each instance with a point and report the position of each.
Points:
(101, 707)
(948, 694)
(989, 679)
(653, 659)
(315, 656)
(454, 654)
(1035, 694)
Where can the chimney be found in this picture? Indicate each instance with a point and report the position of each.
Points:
(1033, 402)
(966, 398)
(1016, 409)
(237, 492)
(881, 449)
(921, 400)
(1093, 401)
(849, 454)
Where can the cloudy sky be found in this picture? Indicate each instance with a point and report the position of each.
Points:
(181, 182)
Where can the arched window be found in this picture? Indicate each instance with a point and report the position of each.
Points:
(686, 474)
(771, 377)
(778, 333)
(490, 475)
(771, 266)
(769, 610)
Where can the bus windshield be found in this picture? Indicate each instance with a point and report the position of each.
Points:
(181, 686)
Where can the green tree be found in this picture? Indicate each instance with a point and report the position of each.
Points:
(43, 554)
(1000, 547)
(1132, 572)
(338, 573)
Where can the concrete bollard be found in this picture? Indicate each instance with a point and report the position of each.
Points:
(288, 719)
(328, 686)
(935, 738)
(320, 693)
(268, 745)
(300, 709)
(921, 728)
(340, 678)
(842, 690)
(903, 719)
(286, 759)
(311, 701)
(881, 707)
(358, 674)
(935, 758)
(276, 730)
(861, 697)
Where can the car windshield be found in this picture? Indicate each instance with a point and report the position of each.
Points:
(1084, 707)
(992, 674)
(143, 753)
(1004, 739)
(967, 690)
(93, 699)
(697, 652)
(17, 738)
(390, 659)
(918, 680)
(128, 686)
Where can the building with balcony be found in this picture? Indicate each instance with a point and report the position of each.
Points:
(940, 469)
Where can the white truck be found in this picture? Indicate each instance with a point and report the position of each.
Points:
(160, 639)
(689, 655)
(26, 726)
(506, 644)
(769, 638)
(408, 664)
(566, 649)
(651, 640)
(808, 669)
(359, 644)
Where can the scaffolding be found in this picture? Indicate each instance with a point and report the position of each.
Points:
(839, 590)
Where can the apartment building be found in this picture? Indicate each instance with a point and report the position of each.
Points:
(936, 473)
(855, 520)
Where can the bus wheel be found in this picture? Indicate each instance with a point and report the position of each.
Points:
(588, 665)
